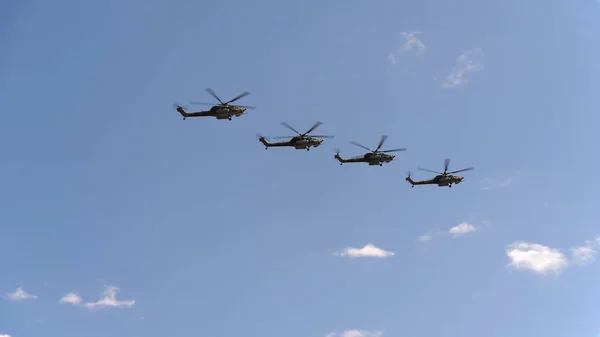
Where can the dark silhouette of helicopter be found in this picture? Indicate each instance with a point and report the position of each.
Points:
(442, 179)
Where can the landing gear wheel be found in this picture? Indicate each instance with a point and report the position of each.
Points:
(308, 149)
(380, 164)
(229, 118)
(183, 118)
(450, 185)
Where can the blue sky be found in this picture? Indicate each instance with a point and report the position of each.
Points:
(118, 218)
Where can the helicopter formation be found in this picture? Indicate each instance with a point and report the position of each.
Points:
(304, 141)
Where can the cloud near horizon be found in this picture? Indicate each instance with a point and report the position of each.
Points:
(71, 298)
(108, 301)
(356, 333)
(20, 295)
(537, 258)
(461, 229)
(369, 250)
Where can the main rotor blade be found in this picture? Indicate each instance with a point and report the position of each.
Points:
(395, 150)
(383, 138)
(244, 94)
(212, 93)
(317, 124)
(446, 163)
(322, 136)
(201, 103)
(424, 169)
(360, 145)
(289, 127)
(463, 170)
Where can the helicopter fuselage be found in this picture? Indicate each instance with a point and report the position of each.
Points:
(440, 180)
(377, 158)
(226, 112)
(299, 143)
(372, 158)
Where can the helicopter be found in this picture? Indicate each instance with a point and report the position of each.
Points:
(224, 110)
(375, 157)
(300, 142)
(442, 179)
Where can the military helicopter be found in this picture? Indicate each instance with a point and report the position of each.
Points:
(442, 179)
(300, 142)
(221, 111)
(375, 157)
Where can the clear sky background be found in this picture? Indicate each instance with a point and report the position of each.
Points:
(155, 226)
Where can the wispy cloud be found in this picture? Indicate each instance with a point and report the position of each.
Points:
(536, 258)
(424, 238)
(392, 58)
(492, 184)
(110, 300)
(412, 42)
(71, 298)
(19, 295)
(356, 333)
(368, 250)
(461, 229)
(585, 253)
(4, 335)
(467, 63)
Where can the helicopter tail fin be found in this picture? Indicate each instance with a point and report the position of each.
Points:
(409, 179)
(339, 158)
(264, 141)
(183, 113)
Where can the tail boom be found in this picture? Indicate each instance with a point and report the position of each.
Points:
(413, 183)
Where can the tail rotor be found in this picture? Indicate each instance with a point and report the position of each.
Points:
(180, 109)
(259, 136)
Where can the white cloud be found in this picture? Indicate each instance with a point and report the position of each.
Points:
(109, 300)
(535, 257)
(412, 42)
(71, 298)
(461, 229)
(424, 238)
(368, 250)
(356, 333)
(392, 58)
(467, 63)
(4, 335)
(583, 254)
(20, 294)
(492, 184)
